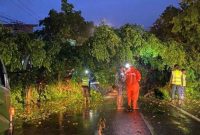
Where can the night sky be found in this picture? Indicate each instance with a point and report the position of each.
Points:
(114, 12)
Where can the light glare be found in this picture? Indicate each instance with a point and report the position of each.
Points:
(127, 65)
(86, 71)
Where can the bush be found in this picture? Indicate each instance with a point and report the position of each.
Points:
(163, 93)
(191, 93)
(96, 97)
(61, 97)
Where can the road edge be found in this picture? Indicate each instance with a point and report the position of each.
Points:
(147, 124)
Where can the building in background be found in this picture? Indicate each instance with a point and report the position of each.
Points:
(20, 27)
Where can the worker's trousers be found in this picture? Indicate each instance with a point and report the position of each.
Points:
(132, 95)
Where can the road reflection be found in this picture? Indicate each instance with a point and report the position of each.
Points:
(126, 123)
(105, 120)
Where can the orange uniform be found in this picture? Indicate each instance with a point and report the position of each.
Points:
(133, 77)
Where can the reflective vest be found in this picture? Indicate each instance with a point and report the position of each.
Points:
(177, 77)
(85, 81)
(184, 80)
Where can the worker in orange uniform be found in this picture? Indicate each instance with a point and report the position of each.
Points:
(133, 77)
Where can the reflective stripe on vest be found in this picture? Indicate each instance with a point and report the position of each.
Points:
(85, 82)
(177, 77)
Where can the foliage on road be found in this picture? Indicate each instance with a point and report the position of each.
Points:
(163, 118)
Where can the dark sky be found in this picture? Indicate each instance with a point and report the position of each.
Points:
(115, 12)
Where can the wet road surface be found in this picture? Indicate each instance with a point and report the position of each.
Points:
(126, 123)
(166, 120)
(106, 120)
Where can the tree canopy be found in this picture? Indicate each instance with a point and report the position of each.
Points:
(67, 42)
(183, 26)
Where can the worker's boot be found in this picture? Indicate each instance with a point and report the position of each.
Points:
(129, 109)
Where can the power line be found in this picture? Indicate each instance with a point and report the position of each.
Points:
(11, 20)
(3, 21)
(21, 7)
(8, 16)
(15, 24)
(29, 9)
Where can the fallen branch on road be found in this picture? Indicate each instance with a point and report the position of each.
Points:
(186, 113)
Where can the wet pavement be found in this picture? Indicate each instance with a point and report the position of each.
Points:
(126, 123)
(106, 120)
(166, 120)
(121, 122)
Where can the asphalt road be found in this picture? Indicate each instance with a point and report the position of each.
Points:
(160, 119)
(167, 120)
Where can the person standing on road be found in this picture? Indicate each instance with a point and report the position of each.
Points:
(120, 83)
(182, 89)
(133, 78)
(86, 86)
(176, 81)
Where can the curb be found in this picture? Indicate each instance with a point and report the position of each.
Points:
(186, 113)
(147, 124)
